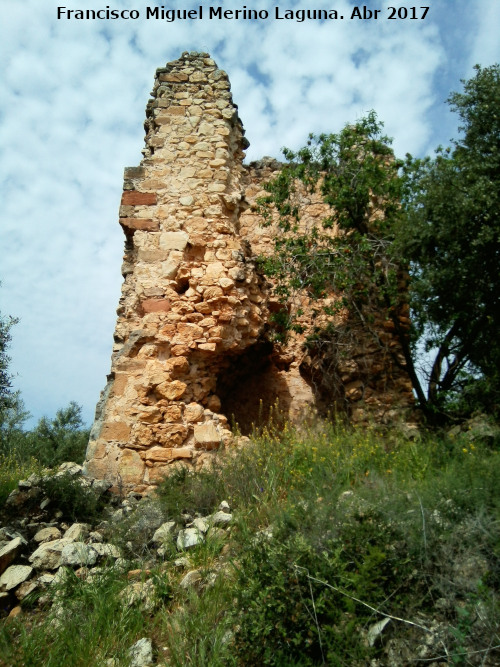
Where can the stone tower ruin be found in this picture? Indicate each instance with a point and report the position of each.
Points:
(191, 346)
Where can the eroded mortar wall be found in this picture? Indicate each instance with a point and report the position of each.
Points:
(190, 345)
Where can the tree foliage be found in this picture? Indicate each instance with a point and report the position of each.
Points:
(62, 438)
(52, 441)
(12, 411)
(356, 176)
(452, 239)
(350, 251)
(438, 217)
(6, 391)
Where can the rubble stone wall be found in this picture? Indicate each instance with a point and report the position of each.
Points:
(190, 346)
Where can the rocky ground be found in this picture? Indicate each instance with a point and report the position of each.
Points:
(39, 546)
(395, 550)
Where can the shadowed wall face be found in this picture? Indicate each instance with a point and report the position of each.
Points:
(190, 345)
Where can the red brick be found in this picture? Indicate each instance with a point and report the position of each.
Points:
(155, 305)
(134, 198)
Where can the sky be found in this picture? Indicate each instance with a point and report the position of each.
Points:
(72, 100)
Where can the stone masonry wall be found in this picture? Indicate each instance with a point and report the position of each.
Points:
(190, 345)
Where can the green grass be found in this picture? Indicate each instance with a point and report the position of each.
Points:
(334, 529)
(88, 625)
(13, 469)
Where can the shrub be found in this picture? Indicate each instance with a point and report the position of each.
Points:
(77, 501)
(188, 491)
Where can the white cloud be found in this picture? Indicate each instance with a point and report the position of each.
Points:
(486, 46)
(72, 101)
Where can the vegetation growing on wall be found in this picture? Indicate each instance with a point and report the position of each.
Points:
(436, 217)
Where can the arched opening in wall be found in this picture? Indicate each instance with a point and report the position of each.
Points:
(251, 388)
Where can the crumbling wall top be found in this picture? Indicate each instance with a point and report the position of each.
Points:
(193, 77)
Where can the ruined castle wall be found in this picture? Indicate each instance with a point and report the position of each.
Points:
(190, 345)
(368, 380)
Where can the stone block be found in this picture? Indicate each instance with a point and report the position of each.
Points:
(206, 436)
(179, 350)
(25, 589)
(131, 467)
(176, 111)
(119, 384)
(169, 269)
(188, 538)
(170, 434)
(157, 474)
(173, 240)
(177, 365)
(133, 224)
(354, 390)
(237, 274)
(151, 416)
(198, 77)
(213, 292)
(134, 172)
(171, 390)
(193, 412)
(206, 128)
(10, 552)
(189, 330)
(178, 77)
(78, 553)
(78, 532)
(152, 256)
(48, 555)
(164, 533)
(226, 283)
(13, 576)
(165, 454)
(96, 449)
(141, 653)
(115, 431)
(47, 534)
(203, 307)
(173, 413)
(207, 347)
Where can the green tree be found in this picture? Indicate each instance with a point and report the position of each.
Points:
(452, 239)
(12, 411)
(12, 420)
(63, 438)
(52, 441)
(6, 391)
(436, 217)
